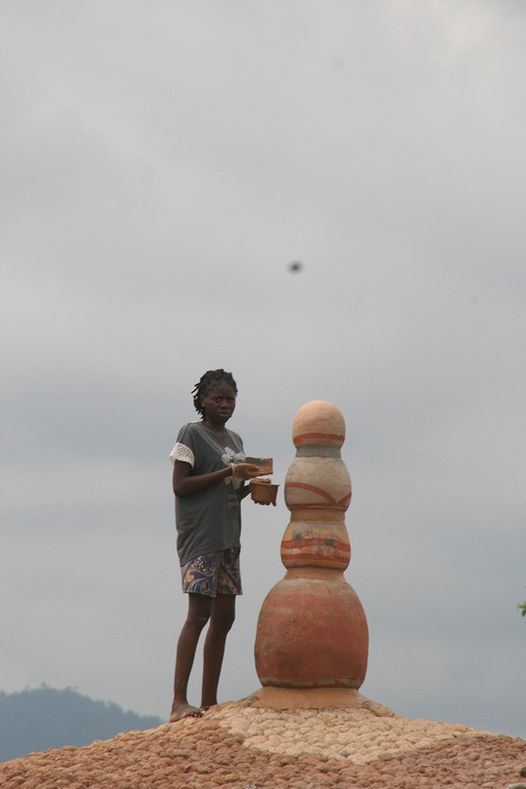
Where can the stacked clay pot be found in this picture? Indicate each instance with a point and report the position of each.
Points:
(312, 631)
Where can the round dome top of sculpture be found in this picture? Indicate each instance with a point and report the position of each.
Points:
(318, 423)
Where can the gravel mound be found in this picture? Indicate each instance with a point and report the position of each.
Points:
(244, 746)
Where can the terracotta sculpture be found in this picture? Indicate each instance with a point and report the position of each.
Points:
(312, 631)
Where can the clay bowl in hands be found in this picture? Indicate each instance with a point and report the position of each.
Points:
(262, 491)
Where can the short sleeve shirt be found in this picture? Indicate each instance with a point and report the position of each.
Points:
(210, 519)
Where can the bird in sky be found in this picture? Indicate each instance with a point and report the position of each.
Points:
(295, 266)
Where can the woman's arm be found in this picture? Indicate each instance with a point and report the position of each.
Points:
(184, 483)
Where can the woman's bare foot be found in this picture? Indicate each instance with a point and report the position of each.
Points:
(183, 710)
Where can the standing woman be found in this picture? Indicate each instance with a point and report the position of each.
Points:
(208, 482)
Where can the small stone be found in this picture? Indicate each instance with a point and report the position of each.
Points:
(516, 786)
(202, 768)
(522, 772)
(345, 754)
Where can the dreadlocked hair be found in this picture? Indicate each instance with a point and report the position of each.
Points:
(207, 381)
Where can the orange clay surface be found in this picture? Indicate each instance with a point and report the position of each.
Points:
(257, 743)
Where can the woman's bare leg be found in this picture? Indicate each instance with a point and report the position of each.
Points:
(221, 620)
(199, 608)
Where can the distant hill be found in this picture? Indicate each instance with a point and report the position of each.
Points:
(41, 718)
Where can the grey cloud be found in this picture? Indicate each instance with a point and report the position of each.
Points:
(160, 170)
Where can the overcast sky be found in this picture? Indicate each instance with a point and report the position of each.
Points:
(162, 163)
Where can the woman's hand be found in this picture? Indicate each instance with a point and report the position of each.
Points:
(245, 471)
(185, 483)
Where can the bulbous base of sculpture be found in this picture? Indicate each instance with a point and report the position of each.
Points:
(312, 633)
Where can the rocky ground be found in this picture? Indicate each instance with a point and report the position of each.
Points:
(245, 745)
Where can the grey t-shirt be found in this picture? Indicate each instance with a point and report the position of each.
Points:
(209, 520)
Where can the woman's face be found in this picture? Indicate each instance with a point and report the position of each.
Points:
(219, 403)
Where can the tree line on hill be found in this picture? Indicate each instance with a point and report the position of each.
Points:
(36, 719)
